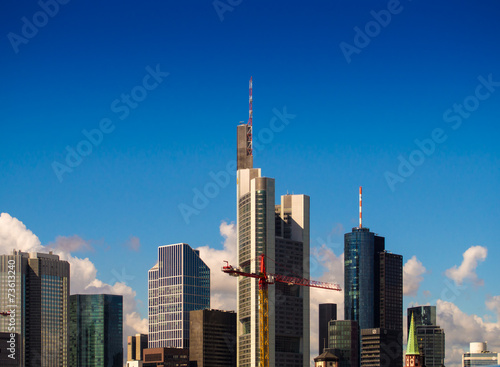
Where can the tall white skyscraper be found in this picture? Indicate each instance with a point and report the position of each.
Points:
(281, 232)
(177, 284)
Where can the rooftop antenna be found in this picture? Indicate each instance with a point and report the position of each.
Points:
(360, 206)
(250, 120)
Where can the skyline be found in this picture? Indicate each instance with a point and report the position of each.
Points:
(349, 121)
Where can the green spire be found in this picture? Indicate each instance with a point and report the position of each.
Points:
(412, 347)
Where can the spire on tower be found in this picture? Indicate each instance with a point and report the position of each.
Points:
(412, 348)
(360, 206)
(250, 119)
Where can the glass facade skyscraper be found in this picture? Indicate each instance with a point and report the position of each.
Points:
(96, 330)
(361, 252)
(38, 306)
(177, 284)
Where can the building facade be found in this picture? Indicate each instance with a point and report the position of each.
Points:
(361, 261)
(177, 284)
(212, 338)
(430, 337)
(343, 342)
(37, 306)
(166, 357)
(135, 346)
(96, 330)
(327, 313)
(479, 355)
(381, 347)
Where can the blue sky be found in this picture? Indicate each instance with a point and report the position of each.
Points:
(352, 122)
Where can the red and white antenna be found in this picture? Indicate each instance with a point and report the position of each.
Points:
(360, 206)
(250, 120)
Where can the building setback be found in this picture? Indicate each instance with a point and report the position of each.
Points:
(327, 313)
(178, 283)
(38, 307)
(212, 338)
(96, 330)
(479, 355)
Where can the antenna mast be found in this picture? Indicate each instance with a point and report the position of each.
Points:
(250, 120)
(360, 206)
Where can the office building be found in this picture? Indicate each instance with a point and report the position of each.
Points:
(430, 337)
(361, 259)
(212, 338)
(9, 346)
(479, 355)
(96, 330)
(166, 357)
(38, 307)
(178, 283)
(281, 232)
(381, 347)
(413, 358)
(135, 345)
(343, 342)
(327, 313)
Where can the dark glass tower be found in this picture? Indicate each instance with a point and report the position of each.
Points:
(361, 251)
(327, 313)
(96, 330)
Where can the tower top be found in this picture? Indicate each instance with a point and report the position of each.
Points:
(360, 208)
(412, 348)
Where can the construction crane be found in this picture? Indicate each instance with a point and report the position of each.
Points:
(264, 280)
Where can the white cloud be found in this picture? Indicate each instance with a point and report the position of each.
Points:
(467, 270)
(412, 276)
(462, 329)
(83, 273)
(332, 267)
(223, 286)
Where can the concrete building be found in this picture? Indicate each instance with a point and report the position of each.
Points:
(96, 330)
(430, 337)
(343, 342)
(212, 338)
(135, 345)
(327, 313)
(381, 347)
(178, 283)
(38, 307)
(479, 355)
(166, 357)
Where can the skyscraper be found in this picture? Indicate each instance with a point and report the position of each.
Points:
(135, 345)
(178, 283)
(327, 312)
(38, 306)
(212, 338)
(281, 232)
(96, 330)
(430, 337)
(479, 355)
(361, 252)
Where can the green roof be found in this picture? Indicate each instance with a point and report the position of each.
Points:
(412, 347)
